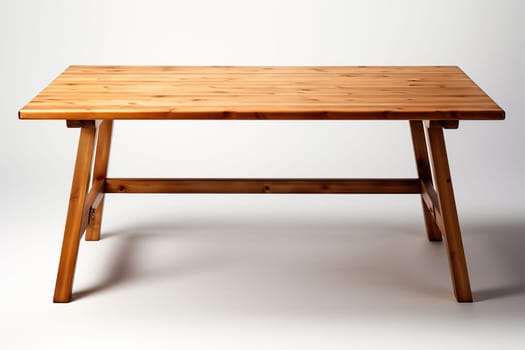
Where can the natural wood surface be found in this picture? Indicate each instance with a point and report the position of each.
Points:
(75, 215)
(91, 97)
(336, 92)
(262, 186)
(100, 170)
(425, 175)
(449, 215)
(93, 199)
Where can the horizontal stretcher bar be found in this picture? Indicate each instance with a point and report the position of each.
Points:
(224, 185)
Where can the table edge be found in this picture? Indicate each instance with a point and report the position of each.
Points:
(496, 114)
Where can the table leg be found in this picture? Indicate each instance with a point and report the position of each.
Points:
(452, 233)
(424, 174)
(100, 170)
(72, 234)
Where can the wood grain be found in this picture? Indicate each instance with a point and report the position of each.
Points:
(100, 170)
(130, 185)
(301, 93)
(449, 216)
(425, 175)
(75, 215)
(93, 199)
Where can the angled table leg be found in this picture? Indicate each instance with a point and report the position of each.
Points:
(425, 176)
(72, 234)
(452, 234)
(100, 170)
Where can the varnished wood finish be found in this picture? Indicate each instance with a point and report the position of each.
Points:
(81, 123)
(91, 97)
(425, 175)
(72, 233)
(100, 170)
(262, 186)
(430, 197)
(92, 202)
(447, 124)
(336, 92)
(448, 213)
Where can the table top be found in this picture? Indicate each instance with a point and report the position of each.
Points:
(273, 92)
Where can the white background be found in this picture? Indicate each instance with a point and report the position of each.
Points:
(279, 271)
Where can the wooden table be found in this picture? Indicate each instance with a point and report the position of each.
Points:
(429, 98)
